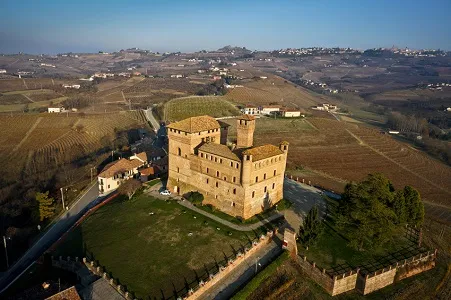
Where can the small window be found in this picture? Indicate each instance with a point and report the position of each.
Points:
(220, 160)
(275, 172)
(256, 179)
(264, 176)
(273, 186)
(179, 152)
(208, 170)
(234, 191)
(217, 173)
(178, 170)
(225, 178)
(231, 164)
(216, 159)
(237, 165)
(253, 194)
(234, 179)
(266, 189)
(217, 184)
(233, 204)
(202, 155)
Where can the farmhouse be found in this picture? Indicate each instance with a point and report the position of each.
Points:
(269, 110)
(325, 107)
(290, 113)
(56, 109)
(116, 172)
(2, 71)
(71, 86)
(250, 110)
(242, 180)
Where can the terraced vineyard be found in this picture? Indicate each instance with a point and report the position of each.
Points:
(215, 106)
(35, 142)
(350, 152)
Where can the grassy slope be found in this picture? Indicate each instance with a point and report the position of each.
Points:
(150, 252)
(181, 108)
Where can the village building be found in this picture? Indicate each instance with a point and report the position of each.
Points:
(2, 71)
(242, 180)
(251, 110)
(114, 173)
(59, 109)
(269, 110)
(290, 113)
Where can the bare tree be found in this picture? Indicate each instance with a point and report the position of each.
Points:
(129, 187)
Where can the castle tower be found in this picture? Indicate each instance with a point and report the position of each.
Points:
(245, 131)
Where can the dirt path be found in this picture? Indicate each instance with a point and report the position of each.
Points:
(25, 84)
(27, 134)
(28, 97)
(362, 143)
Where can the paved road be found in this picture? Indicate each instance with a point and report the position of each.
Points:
(151, 119)
(65, 221)
(303, 197)
(229, 285)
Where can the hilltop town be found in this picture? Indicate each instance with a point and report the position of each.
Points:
(136, 174)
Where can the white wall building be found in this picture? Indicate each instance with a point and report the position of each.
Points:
(269, 110)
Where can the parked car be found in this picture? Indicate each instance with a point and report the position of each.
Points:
(165, 193)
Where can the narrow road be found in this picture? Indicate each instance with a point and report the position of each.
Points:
(229, 285)
(64, 222)
(151, 119)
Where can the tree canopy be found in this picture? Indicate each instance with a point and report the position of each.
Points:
(311, 227)
(370, 211)
(46, 207)
(129, 187)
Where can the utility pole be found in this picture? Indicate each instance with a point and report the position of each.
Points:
(62, 198)
(6, 252)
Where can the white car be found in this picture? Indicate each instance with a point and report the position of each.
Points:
(165, 193)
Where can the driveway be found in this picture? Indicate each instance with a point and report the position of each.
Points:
(303, 197)
(61, 225)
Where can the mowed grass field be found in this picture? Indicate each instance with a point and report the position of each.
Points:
(338, 152)
(153, 246)
(215, 106)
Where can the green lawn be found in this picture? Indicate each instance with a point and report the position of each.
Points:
(332, 252)
(182, 108)
(152, 253)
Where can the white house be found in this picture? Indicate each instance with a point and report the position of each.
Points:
(55, 109)
(118, 171)
(71, 86)
(269, 110)
(250, 110)
(291, 113)
(2, 71)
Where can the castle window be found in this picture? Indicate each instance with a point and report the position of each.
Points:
(217, 173)
(272, 160)
(225, 178)
(216, 159)
(220, 160)
(264, 176)
(266, 189)
(275, 172)
(207, 180)
(234, 191)
(217, 184)
(255, 166)
(211, 157)
(199, 133)
(273, 186)
(231, 164)
(256, 179)
(208, 170)
(237, 165)
(233, 204)
(253, 194)
(234, 179)
(202, 155)
(216, 196)
(178, 170)
(179, 152)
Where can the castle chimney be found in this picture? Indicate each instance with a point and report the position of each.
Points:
(245, 131)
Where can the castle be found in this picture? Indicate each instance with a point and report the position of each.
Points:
(241, 181)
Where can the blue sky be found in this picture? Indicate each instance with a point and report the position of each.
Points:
(34, 26)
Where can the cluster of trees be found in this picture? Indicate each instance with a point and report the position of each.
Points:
(311, 227)
(129, 188)
(404, 123)
(78, 102)
(370, 211)
(215, 88)
(195, 198)
(46, 205)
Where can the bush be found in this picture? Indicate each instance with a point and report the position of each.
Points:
(196, 198)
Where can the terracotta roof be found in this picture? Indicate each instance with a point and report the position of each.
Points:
(119, 166)
(147, 171)
(142, 156)
(195, 124)
(262, 152)
(68, 294)
(219, 150)
(246, 117)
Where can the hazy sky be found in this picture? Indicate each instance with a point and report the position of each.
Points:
(38, 26)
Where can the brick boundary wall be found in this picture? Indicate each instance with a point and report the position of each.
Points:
(197, 292)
